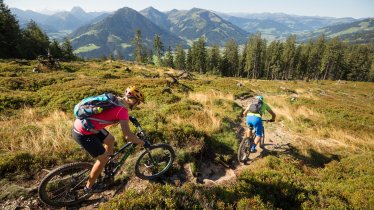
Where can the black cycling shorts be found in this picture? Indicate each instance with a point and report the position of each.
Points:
(93, 144)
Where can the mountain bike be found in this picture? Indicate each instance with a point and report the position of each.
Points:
(64, 186)
(244, 149)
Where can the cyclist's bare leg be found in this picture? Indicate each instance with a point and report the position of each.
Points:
(101, 160)
(257, 139)
(248, 133)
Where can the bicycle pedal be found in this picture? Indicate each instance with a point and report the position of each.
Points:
(148, 166)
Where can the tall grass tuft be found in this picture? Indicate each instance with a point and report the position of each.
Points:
(31, 132)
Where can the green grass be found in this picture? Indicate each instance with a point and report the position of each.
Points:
(278, 183)
(198, 117)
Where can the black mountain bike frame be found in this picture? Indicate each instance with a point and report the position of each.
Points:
(126, 150)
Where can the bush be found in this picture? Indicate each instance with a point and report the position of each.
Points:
(23, 164)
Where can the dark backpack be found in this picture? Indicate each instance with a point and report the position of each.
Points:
(90, 106)
(255, 105)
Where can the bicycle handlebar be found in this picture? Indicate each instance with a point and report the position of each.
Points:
(141, 134)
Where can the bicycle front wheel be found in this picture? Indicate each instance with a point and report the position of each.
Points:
(154, 161)
(64, 186)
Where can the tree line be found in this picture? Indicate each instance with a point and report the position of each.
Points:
(29, 42)
(319, 59)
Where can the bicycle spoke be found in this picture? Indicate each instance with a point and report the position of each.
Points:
(66, 186)
(154, 162)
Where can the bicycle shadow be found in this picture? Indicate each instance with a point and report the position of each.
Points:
(115, 189)
(269, 148)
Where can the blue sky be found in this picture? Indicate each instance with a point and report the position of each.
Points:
(332, 8)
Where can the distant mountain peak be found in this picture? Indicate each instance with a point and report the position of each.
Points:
(77, 10)
(150, 8)
(195, 9)
(125, 9)
(173, 10)
(114, 33)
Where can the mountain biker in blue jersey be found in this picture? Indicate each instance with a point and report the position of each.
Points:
(254, 119)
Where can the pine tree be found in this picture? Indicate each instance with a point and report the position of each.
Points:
(189, 60)
(68, 50)
(158, 48)
(371, 72)
(255, 53)
(55, 49)
(231, 55)
(34, 41)
(358, 63)
(315, 57)
(242, 58)
(273, 60)
(332, 59)
(137, 43)
(180, 58)
(169, 59)
(301, 63)
(10, 33)
(306, 51)
(150, 57)
(288, 57)
(199, 55)
(214, 60)
(111, 57)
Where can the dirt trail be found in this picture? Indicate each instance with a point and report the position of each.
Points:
(276, 139)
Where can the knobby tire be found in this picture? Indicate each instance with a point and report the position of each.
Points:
(71, 186)
(158, 157)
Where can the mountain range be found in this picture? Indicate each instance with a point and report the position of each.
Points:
(358, 32)
(195, 23)
(113, 34)
(60, 24)
(279, 26)
(94, 34)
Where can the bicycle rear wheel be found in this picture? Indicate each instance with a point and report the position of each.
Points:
(243, 149)
(64, 186)
(155, 161)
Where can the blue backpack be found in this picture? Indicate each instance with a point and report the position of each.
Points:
(90, 106)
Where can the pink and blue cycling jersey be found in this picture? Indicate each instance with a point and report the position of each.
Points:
(115, 114)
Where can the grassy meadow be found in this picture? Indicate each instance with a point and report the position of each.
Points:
(331, 123)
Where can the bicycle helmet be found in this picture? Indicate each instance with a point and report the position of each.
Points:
(134, 92)
(261, 98)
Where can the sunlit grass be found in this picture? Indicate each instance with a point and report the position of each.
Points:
(327, 123)
(35, 134)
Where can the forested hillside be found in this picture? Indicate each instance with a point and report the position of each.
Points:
(357, 32)
(317, 59)
(29, 42)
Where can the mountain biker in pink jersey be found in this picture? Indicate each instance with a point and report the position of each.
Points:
(255, 120)
(99, 144)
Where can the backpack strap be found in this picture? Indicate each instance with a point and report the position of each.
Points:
(102, 121)
(88, 126)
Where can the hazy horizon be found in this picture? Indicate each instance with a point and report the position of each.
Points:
(323, 8)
